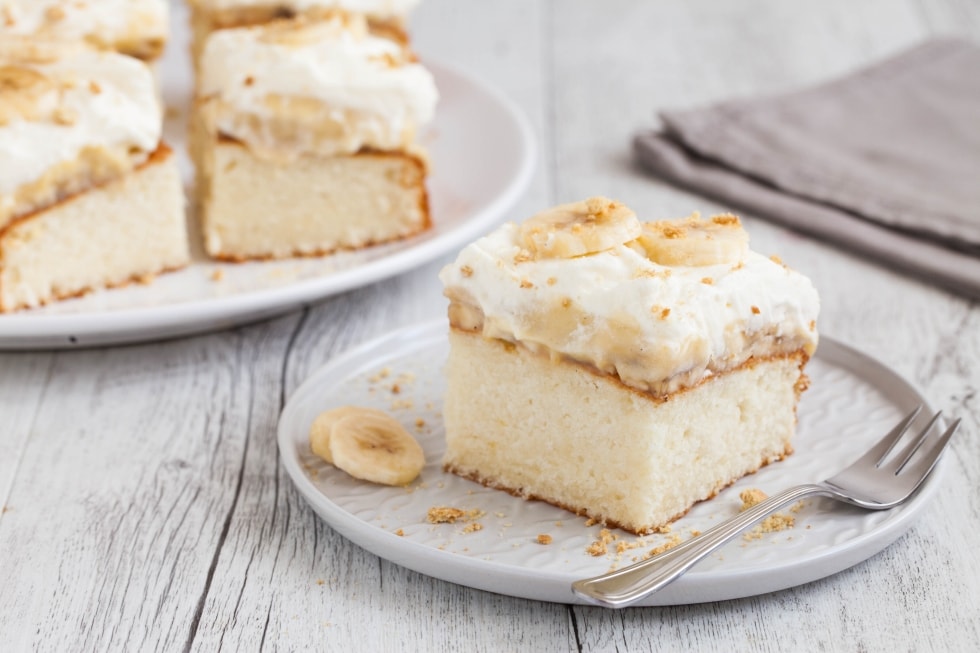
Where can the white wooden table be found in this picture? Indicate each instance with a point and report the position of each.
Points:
(144, 506)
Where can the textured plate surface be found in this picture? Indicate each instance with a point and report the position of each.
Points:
(468, 195)
(852, 400)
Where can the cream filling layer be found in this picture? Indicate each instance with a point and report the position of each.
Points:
(657, 328)
(70, 122)
(321, 87)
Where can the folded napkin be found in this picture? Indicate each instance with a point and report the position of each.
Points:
(885, 161)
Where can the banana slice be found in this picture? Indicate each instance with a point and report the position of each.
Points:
(695, 242)
(569, 230)
(323, 426)
(375, 448)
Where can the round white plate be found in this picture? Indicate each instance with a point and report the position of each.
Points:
(482, 155)
(851, 402)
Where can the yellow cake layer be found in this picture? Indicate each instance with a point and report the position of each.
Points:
(563, 433)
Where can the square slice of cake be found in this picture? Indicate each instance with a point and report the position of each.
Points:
(622, 370)
(89, 196)
(139, 28)
(304, 139)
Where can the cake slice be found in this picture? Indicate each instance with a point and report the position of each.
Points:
(618, 369)
(89, 196)
(304, 139)
(135, 27)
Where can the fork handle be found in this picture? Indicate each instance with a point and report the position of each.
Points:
(625, 586)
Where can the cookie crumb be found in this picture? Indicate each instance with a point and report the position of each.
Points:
(544, 538)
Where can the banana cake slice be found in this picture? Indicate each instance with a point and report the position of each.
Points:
(619, 369)
(304, 139)
(90, 197)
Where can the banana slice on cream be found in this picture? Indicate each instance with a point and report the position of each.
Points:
(568, 230)
(367, 444)
(694, 242)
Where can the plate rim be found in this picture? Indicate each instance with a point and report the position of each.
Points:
(25, 330)
(505, 578)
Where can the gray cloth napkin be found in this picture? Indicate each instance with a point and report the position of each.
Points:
(885, 161)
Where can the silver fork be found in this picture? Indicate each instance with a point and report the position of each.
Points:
(871, 482)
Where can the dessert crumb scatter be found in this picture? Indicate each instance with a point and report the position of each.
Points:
(450, 515)
(771, 524)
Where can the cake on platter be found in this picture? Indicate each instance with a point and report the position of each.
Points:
(620, 369)
(89, 195)
(304, 139)
(139, 28)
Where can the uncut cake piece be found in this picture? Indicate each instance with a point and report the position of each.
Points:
(304, 139)
(622, 370)
(384, 17)
(135, 27)
(89, 195)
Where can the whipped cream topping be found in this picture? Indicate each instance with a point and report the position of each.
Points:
(658, 328)
(105, 22)
(51, 112)
(324, 87)
(382, 9)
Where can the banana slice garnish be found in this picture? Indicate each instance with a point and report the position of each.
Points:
(695, 242)
(568, 230)
(323, 426)
(367, 444)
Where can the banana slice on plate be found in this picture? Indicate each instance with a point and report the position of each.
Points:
(323, 426)
(695, 242)
(370, 445)
(586, 227)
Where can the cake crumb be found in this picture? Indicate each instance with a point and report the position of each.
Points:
(591, 521)
(623, 546)
(472, 527)
(552, 281)
(319, 581)
(419, 422)
(695, 532)
(601, 546)
(544, 538)
(755, 310)
(526, 283)
(707, 281)
(444, 515)
(400, 533)
(450, 515)
(466, 271)
(669, 544)
(771, 524)
(217, 274)
(751, 497)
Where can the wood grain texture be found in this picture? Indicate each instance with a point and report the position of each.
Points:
(145, 504)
